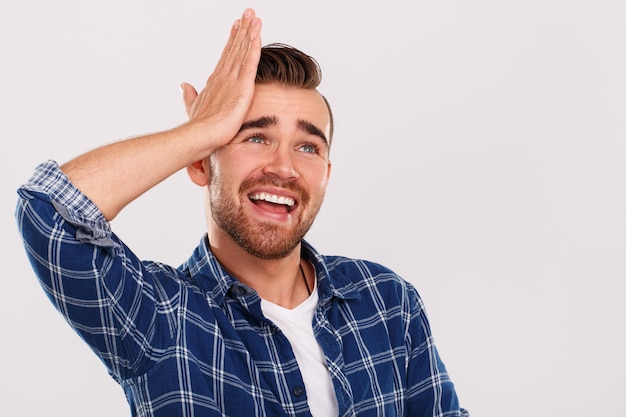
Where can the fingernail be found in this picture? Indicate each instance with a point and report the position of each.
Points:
(247, 13)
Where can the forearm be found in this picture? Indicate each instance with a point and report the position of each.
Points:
(114, 175)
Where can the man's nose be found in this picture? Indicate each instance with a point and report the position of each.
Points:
(280, 163)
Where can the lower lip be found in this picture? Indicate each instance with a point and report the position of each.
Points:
(281, 215)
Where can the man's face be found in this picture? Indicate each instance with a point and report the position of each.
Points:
(267, 185)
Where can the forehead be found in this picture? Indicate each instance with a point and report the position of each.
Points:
(289, 105)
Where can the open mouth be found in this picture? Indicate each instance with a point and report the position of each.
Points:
(273, 203)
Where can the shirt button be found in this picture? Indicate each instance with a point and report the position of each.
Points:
(242, 290)
(297, 391)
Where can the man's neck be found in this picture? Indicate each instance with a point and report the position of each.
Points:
(280, 281)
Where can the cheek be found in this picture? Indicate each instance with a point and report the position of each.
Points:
(227, 180)
(226, 167)
(237, 162)
(318, 179)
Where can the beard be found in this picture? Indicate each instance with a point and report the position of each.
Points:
(262, 239)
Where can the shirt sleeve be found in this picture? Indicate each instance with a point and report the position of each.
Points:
(430, 389)
(124, 309)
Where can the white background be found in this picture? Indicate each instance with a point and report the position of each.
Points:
(479, 152)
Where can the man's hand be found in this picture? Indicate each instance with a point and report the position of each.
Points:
(116, 174)
(223, 103)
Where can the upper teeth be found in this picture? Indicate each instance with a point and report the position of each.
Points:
(273, 198)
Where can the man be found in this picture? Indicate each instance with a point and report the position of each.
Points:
(256, 322)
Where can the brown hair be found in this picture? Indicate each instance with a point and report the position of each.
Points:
(291, 67)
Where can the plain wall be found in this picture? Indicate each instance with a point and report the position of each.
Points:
(479, 152)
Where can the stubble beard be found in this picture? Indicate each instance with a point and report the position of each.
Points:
(262, 239)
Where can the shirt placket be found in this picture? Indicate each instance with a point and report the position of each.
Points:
(289, 388)
(331, 345)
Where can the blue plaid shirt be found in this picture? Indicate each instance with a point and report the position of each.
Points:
(192, 340)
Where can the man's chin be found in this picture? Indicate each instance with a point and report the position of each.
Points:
(270, 250)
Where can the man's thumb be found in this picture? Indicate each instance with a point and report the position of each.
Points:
(189, 96)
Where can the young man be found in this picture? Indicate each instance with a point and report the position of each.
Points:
(256, 322)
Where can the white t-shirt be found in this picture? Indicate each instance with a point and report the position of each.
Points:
(296, 325)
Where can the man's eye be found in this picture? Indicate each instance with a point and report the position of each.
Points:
(309, 148)
(255, 139)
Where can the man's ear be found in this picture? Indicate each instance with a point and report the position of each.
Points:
(330, 165)
(198, 172)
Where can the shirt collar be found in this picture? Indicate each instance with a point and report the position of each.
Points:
(205, 271)
(331, 282)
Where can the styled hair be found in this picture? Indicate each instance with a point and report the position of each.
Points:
(288, 66)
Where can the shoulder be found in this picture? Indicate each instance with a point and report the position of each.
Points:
(355, 268)
(164, 281)
(371, 279)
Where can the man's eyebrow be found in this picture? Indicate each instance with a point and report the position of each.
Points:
(266, 121)
(259, 123)
(311, 129)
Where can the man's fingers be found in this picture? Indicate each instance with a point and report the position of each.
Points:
(246, 39)
(189, 97)
(229, 45)
(242, 34)
(230, 88)
(250, 58)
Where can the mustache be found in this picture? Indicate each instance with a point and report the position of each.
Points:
(270, 180)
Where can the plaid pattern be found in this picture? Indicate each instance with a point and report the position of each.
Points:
(192, 340)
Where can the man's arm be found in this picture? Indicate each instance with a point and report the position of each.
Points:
(114, 175)
(430, 391)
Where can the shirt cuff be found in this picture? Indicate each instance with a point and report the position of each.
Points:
(71, 204)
